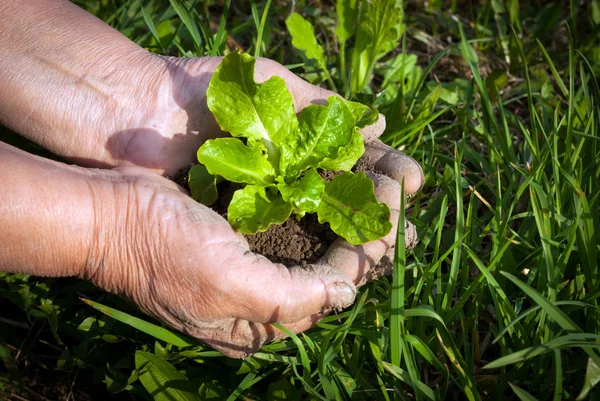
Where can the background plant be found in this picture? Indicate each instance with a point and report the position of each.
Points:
(498, 101)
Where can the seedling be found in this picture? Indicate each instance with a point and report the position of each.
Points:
(277, 155)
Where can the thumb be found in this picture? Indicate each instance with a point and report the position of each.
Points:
(272, 293)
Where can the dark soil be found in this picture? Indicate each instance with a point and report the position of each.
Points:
(295, 242)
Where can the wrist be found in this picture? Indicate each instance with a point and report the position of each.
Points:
(47, 216)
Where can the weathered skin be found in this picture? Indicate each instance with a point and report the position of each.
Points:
(90, 95)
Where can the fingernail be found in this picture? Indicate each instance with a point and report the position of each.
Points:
(340, 294)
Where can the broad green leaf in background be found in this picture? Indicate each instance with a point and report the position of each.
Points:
(378, 33)
(162, 380)
(253, 209)
(203, 185)
(347, 12)
(323, 130)
(304, 194)
(244, 108)
(427, 107)
(303, 38)
(350, 207)
(403, 66)
(236, 162)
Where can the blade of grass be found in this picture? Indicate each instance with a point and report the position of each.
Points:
(153, 330)
(522, 394)
(261, 29)
(221, 32)
(186, 17)
(583, 340)
(458, 232)
(151, 27)
(397, 298)
(556, 314)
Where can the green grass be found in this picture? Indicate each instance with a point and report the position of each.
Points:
(500, 300)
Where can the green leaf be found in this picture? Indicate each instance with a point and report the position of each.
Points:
(401, 67)
(244, 108)
(304, 194)
(347, 156)
(350, 207)
(234, 161)
(347, 12)
(363, 115)
(592, 378)
(253, 209)
(203, 185)
(378, 33)
(323, 130)
(303, 38)
(162, 380)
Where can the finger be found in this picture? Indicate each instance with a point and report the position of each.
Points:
(267, 293)
(356, 261)
(371, 132)
(394, 164)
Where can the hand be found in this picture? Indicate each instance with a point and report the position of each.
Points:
(183, 264)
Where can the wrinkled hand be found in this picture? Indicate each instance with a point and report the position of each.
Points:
(186, 265)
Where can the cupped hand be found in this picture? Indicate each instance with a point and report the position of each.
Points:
(182, 263)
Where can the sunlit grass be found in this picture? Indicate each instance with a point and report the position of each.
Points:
(500, 298)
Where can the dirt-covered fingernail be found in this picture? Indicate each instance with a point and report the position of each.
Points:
(340, 294)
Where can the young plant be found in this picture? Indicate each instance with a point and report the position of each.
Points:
(277, 155)
(376, 26)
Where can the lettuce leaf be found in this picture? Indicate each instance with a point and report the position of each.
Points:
(236, 162)
(304, 194)
(254, 208)
(363, 115)
(203, 185)
(347, 156)
(246, 109)
(323, 130)
(350, 207)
